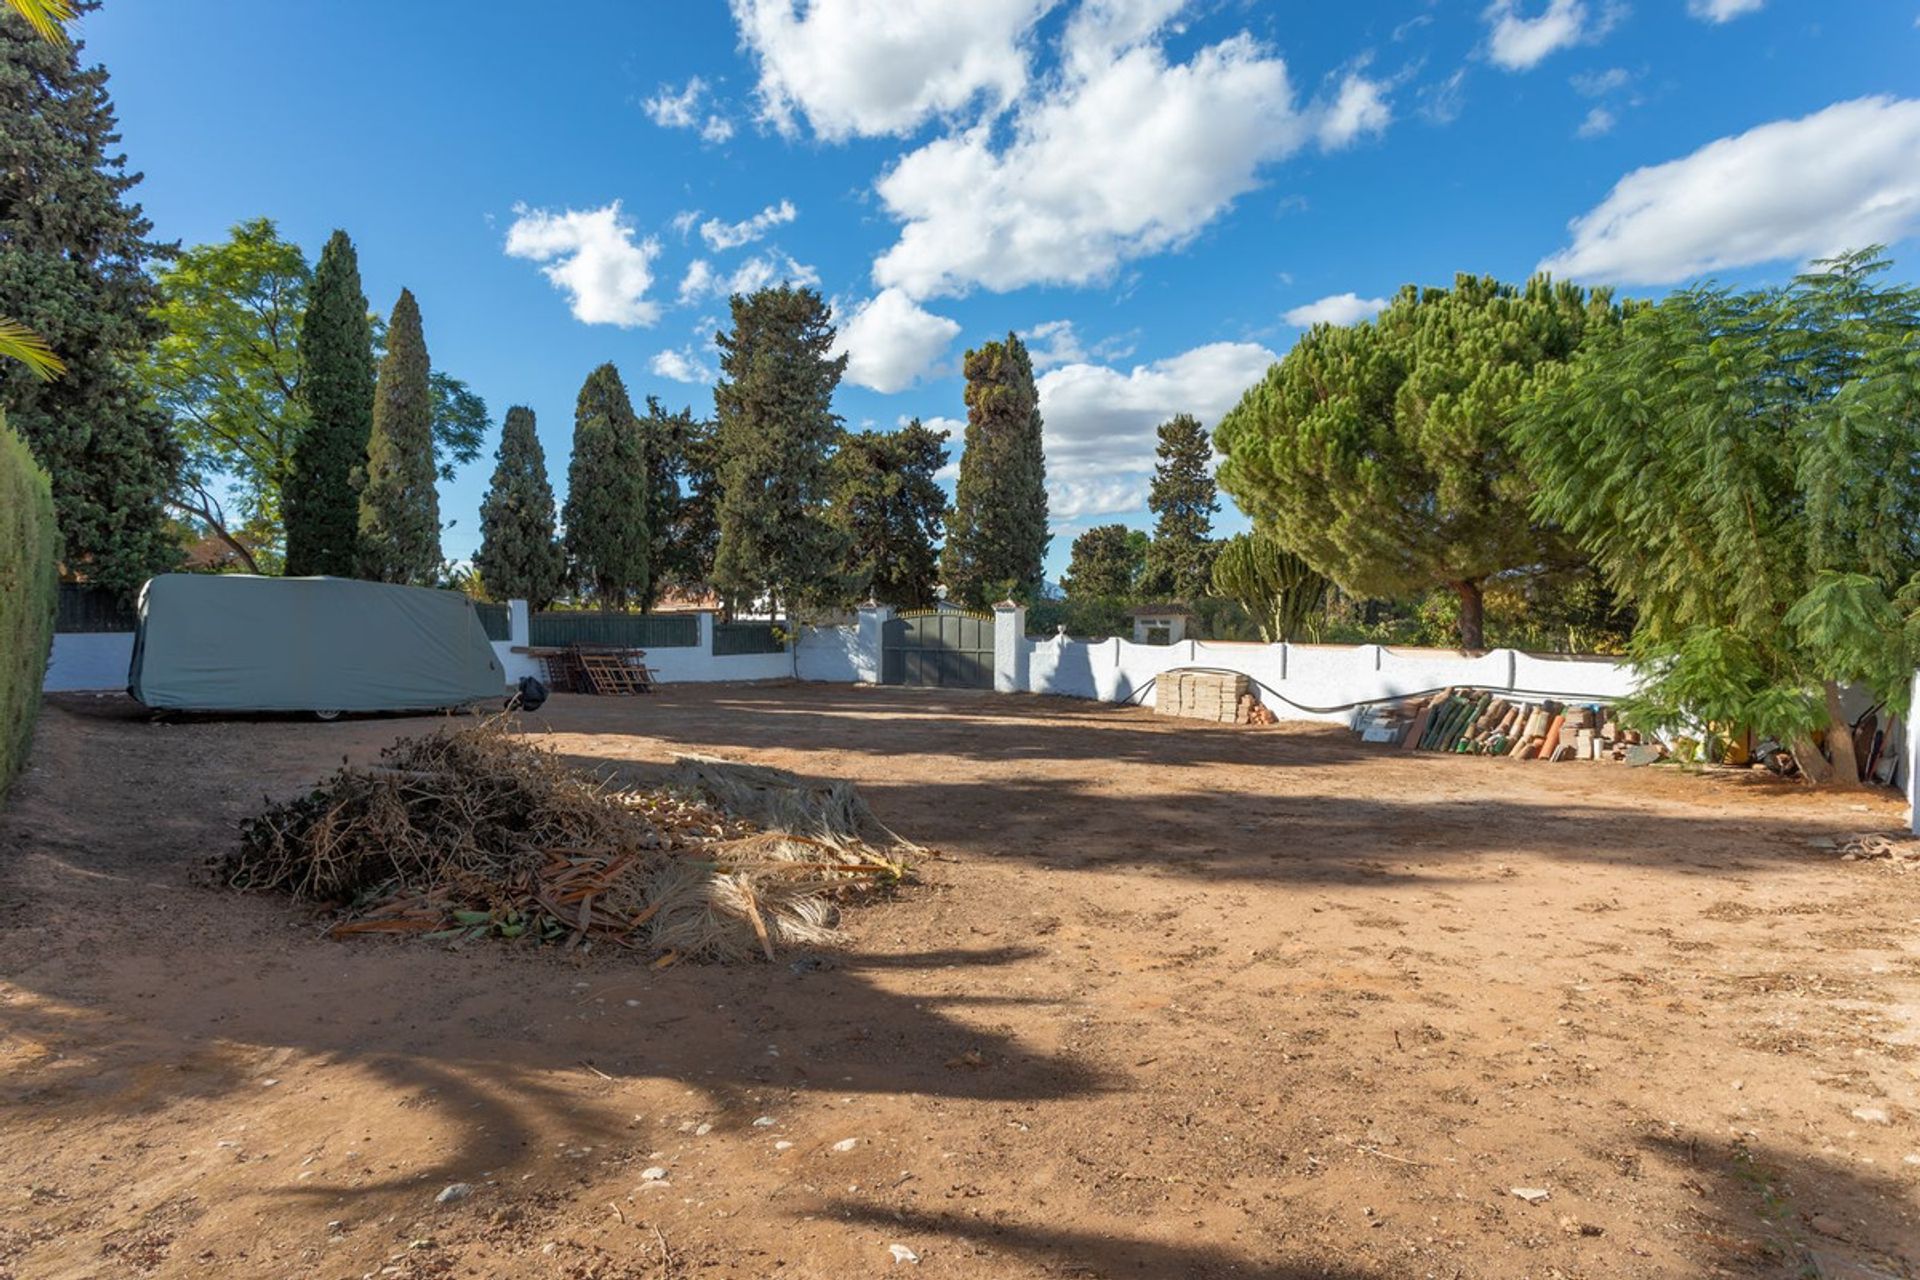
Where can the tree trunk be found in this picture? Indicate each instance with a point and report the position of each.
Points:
(1846, 766)
(1473, 614)
(1814, 767)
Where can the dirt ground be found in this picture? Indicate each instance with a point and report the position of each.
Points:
(1180, 1000)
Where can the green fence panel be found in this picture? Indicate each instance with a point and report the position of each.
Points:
(494, 618)
(86, 608)
(733, 638)
(630, 630)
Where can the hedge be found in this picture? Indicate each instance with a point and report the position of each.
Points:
(27, 591)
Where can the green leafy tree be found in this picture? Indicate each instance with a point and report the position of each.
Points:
(74, 254)
(227, 369)
(774, 413)
(693, 532)
(1184, 501)
(997, 536)
(320, 504)
(1378, 452)
(1107, 561)
(399, 507)
(519, 558)
(608, 541)
(680, 499)
(1741, 466)
(1279, 590)
(891, 510)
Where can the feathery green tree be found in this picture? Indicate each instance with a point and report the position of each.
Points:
(774, 414)
(608, 541)
(997, 535)
(1184, 501)
(1745, 469)
(1378, 452)
(1107, 560)
(319, 501)
(399, 507)
(891, 509)
(519, 558)
(227, 369)
(1279, 590)
(74, 253)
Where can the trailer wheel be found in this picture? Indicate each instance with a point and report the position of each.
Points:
(329, 714)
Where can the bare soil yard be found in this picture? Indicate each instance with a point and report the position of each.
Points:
(1181, 1000)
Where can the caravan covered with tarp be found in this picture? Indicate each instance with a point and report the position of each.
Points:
(234, 642)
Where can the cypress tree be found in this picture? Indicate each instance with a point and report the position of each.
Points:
(997, 539)
(399, 509)
(774, 409)
(1184, 500)
(518, 557)
(74, 253)
(321, 509)
(608, 541)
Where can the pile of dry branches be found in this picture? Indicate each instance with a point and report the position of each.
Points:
(478, 832)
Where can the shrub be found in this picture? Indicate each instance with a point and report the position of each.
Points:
(27, 584)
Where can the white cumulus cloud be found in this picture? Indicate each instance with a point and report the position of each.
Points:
(877, 67)
(1519, 43)
(681, 366)
(683, 109)
(1336, 309)
(731, 235)
(1053, 342)
(1126, 157)
(752, 274)
(1722, 10)
(1100, 421)
(1842, 178)
(1598, 121)
(891, 342)
(590, 255)
(1359, 108)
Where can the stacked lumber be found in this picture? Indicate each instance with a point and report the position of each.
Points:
(1202, 695)
(1476, 722)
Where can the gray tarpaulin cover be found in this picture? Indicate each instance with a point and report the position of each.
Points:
(234, 642)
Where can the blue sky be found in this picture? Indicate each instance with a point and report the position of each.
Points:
(1160, 194)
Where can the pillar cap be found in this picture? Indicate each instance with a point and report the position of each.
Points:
(1008, 604)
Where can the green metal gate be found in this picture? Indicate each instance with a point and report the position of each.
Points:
(938, 648)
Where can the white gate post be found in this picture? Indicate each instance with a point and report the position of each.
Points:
(872, 630)
(1913, 755)
(519, 624)
(1009, 647)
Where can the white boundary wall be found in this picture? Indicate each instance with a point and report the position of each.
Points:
(1316, 682)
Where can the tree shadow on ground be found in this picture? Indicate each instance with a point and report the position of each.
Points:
(1096, 1255)
(1764, 1211)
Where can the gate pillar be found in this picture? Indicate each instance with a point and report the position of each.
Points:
(872, 633)
(1010, 647)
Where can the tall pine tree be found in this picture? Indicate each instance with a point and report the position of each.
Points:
(608, 542)
(518, 557)
(74, 253)
(774, 410)
(891, 509)
(399, 508)
(997, 538)
(318, 501)
(1184, 501)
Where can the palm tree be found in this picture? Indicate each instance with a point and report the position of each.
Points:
(17, 342)
(47, 17)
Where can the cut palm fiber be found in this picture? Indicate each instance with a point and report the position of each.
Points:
(478, 832)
